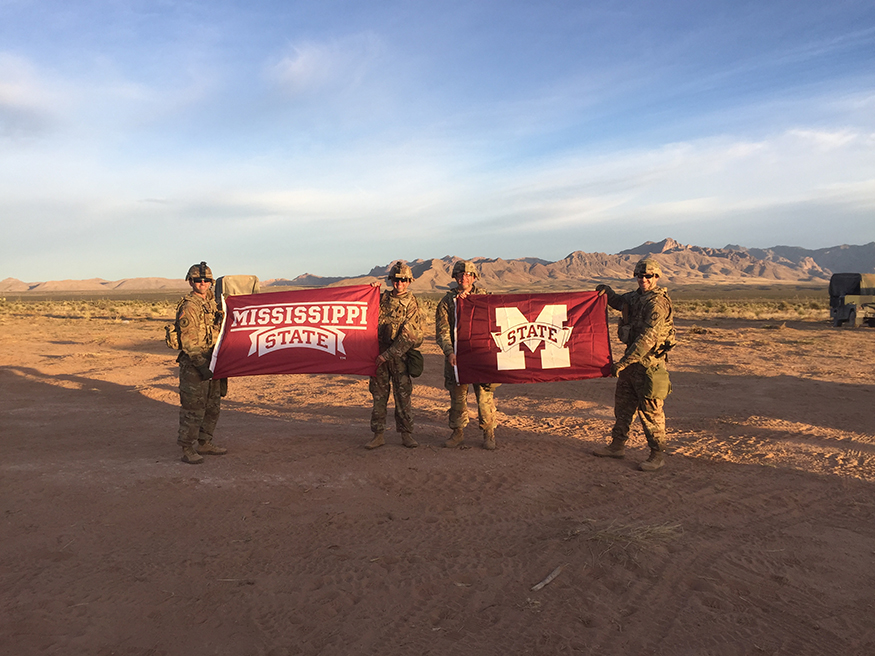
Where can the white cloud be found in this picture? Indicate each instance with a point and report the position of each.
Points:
(313, 67)
(826, 140)
(89, 110)
(27, 104)
(18, 85)
(706, 180)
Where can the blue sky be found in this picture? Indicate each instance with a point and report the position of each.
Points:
(278, 138)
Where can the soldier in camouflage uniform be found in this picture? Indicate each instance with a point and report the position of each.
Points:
(465, 274)
(647, 329)
(198, 321)
(399, 329)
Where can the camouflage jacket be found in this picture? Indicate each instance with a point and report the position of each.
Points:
(445, 319)
(198, 321)
(399, 328)
(647, 327)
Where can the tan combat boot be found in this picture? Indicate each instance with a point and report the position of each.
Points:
(210, 449)
(190, 456)
(376, 442)
(616, 449)
(489, 439)
(408, 441)
(456, 439)
(654, 462)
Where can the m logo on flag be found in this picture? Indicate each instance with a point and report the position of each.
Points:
(516, 331)
(531, 338)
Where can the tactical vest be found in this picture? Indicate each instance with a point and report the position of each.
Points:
(209, 320)
(393, 313)
(633, 322)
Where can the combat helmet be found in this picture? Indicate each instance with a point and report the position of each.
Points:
(647, 265)
(400, 270)
(199, 271)
(463, 266)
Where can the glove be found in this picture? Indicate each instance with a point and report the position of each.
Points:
(601, 289)
(205, 372)
(616, 368)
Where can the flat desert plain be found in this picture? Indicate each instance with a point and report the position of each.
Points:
(758, 537)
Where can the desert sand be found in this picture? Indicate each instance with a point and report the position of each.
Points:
(758, 537)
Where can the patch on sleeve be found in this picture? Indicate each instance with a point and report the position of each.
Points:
(184, 322)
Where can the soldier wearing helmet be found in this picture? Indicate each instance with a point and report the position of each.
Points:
(647, 329)
(198, 321)
(399, 329)
(463, 266)
(465, 275)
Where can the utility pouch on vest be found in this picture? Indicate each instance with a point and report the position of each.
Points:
(415, 363)
(171, 332)
(171, 337)
(657, 384)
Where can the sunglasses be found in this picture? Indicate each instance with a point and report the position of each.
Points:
(401, 280)
(201, 280)
(646, 276)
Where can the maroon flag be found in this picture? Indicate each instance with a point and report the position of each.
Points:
(532, 338)
(313, 331)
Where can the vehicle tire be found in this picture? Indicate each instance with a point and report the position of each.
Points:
(837, 323)
(852, 319)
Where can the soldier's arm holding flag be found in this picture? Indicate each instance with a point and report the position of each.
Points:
(615, 300)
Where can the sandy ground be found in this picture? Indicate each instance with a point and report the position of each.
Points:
(758, 537)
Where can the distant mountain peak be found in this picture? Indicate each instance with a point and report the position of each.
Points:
(667, 245)
(681, 265)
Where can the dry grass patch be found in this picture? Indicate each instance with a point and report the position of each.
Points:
(796, 310)
(805, 309)
(102, 309)
(639, 535)
(627, 534)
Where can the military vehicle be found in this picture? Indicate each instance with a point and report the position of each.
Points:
(852, 299)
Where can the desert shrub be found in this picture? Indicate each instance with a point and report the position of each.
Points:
(111, 309)
(150, 308)
(753, 309)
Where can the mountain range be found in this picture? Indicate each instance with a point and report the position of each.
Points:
(681, 265)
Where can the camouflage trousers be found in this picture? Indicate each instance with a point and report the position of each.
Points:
(393, 375)
(629, 399)
(458, 412)
(199, 400)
